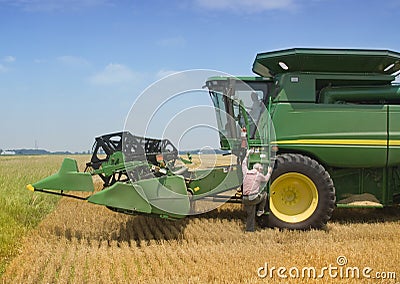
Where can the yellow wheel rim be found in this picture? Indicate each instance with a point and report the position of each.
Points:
(294, 197)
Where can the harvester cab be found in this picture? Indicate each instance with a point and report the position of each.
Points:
(241, 107)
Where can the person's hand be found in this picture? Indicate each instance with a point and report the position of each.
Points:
(269, 170)
(250, 151)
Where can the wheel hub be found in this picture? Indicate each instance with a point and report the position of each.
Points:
(294, 197)
(290, 195)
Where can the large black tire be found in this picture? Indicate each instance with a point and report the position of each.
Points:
(302, 194)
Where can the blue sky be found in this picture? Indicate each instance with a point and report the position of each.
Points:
(71, 69)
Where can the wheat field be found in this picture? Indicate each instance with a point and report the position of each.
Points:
(81, 242)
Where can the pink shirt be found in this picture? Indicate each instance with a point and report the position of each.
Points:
(252, 179)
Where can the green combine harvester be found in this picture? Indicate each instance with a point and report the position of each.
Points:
(329, 122)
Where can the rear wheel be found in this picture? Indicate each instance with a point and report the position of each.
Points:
(302, 195)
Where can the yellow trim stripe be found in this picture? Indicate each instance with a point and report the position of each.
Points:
(394, 142)
(347, 142)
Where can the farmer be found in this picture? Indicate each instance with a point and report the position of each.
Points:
(253, 194)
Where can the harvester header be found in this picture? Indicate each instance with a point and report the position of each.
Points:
(140, 176)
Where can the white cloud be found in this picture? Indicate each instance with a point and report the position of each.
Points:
(172, 42)
(9, 59)
(74, 61)
(114, 74)
(54, 5)
(246, 6)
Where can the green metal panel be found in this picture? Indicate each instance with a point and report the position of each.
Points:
(296, 87)
(123, 196)
(67, 178)
(214, 181)
(349, 182)
(394, 135)
(337, 135)
(167, 195)
(310, 87)
(327, 60)
(380, 94)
